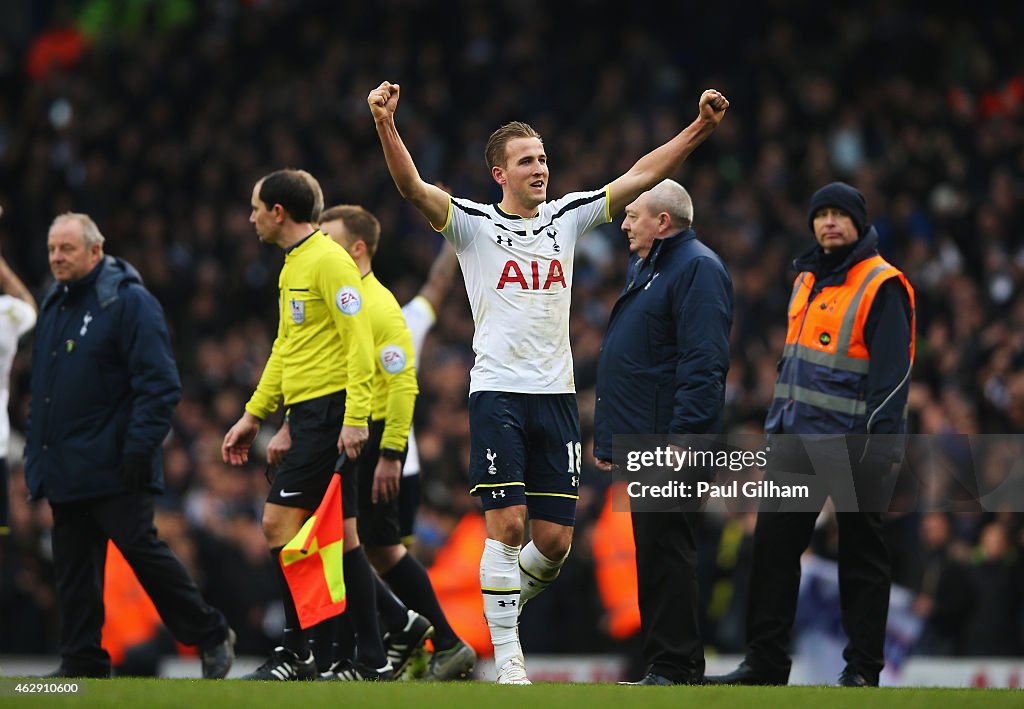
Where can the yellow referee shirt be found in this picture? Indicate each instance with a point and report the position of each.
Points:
(324, 342)
(394, 382)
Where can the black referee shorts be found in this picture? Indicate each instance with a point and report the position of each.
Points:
(408, 506)
(306, 468)
(378, 524)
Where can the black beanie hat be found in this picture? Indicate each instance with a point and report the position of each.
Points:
(846, 198)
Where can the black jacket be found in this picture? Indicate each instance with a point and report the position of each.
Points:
(104, 387)
(666, 351)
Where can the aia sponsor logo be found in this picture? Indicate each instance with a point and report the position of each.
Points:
(535, 276)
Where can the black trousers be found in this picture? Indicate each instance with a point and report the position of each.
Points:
(666, 565)
(5, 503)
(780, 538)
(80, 533)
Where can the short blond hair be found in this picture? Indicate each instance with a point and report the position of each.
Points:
(494, 153)
(359, 222)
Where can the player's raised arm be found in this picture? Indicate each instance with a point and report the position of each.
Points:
(430, 200)
(663, 161)
(13, 286)
(439, 280)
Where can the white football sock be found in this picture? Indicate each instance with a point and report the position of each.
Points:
(536, 571)
(499, 582)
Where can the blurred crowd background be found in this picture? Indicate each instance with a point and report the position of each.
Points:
(156, 118)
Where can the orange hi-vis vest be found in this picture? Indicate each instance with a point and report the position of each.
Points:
(822, 380)
(615, 564)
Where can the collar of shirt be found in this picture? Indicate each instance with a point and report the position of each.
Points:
(84, 283)
(299, 243)
(641, 264)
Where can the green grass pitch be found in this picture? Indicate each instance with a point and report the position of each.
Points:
(233, 694)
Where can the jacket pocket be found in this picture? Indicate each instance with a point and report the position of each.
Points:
(660, 342)
(664, 401)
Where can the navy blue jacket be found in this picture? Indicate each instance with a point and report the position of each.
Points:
(104, 385)
(666, 352)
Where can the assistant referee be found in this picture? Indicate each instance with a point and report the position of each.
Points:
(321, 367)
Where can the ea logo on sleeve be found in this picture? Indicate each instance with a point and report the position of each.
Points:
(348, 300)
(392, 358)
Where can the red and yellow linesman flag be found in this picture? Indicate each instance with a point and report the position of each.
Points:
(312, 561)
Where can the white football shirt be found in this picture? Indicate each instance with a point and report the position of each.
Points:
(419, 318)
(518, 273)
(16, 318)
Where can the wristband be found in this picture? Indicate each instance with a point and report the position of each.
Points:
(390, 454)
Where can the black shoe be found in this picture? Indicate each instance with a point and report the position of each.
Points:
(651, 679)
(849, 678)
(454, 663)
(747, 675)
(217, 659)
(285, 665)
(66, 672)
(402, 645)
(349, 671)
